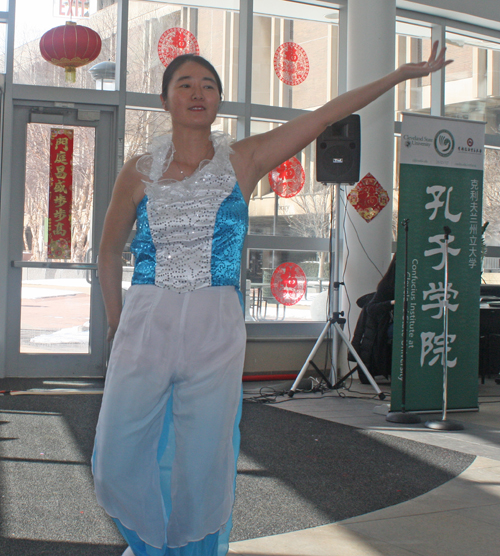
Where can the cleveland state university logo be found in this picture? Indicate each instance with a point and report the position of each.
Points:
(444, 143)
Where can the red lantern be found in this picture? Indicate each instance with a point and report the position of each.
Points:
(70, 46)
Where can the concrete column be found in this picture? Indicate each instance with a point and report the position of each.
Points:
(370, 55)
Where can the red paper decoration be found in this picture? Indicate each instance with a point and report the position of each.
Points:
(174, 42)
(291, 63)
(368, 197)
(288, 283)
(288, 178)
(60, 193)
(70, 46)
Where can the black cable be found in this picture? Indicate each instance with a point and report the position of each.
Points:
(271, 398)
(349, 304)
(361, 243)
(267, 395)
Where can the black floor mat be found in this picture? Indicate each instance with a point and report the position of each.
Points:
(297, 471)
(294, 472)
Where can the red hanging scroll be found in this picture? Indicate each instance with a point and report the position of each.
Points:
(368, 198)
(288, 283)
(291, 63)
(174, 42)
(288, 178)
(60, 193)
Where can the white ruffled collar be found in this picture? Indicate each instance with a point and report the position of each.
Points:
(156, 163)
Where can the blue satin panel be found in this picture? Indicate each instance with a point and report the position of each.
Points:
(231, 227)
(143, 248)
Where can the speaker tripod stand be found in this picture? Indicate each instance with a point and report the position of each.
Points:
(334, 322)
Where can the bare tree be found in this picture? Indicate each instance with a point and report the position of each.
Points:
(308, 214)
(491, 196)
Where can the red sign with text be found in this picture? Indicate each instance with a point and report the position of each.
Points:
(174, 42)
(368, 198)
(60, 193)
(72, 8)
(287, 179)
(291, 63)
(288, 283)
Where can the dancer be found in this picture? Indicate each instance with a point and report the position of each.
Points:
(165, 452)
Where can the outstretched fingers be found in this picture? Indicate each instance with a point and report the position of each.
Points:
(435, 63)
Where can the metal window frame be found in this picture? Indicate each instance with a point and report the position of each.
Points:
(242, 109)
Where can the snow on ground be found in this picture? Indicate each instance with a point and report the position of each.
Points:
(73, 335)
(53, 287)
(40, 293)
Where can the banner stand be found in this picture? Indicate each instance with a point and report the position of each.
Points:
(440, 184)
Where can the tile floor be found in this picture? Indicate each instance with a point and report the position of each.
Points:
(459, 518)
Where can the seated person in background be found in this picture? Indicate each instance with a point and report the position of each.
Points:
(372, 337)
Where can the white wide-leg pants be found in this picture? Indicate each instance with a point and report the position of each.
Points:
(164, 463)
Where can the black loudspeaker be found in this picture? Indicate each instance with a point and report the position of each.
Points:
(338, 151)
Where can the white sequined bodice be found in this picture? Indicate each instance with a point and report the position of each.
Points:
(191, 222)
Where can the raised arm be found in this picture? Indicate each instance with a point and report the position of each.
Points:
(257, 155)
(118, 223)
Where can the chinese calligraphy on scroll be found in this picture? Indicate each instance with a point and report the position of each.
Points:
(60, 193)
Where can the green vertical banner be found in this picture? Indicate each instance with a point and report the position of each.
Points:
(440, 193)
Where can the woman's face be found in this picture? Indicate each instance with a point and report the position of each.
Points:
(193, 97)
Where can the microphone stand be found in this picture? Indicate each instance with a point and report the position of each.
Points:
(444, 424)
(402, 416)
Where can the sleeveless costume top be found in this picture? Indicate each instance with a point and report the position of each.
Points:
(190, 233)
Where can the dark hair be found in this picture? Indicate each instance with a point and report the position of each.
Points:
(176, 63)
(385, 288)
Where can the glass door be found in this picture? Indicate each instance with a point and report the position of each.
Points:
(57, 323)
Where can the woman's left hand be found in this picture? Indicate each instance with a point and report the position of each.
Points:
(435, 62)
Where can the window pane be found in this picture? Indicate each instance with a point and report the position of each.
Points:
(265, 303)
(33, 19)
(141, 128)
(413, 44)
(491, 196)
(144, 127)
(3, 46)
(491, 212)
(55, 306)
(395, 188)
(304, 214)
(159, 29)
(55, 311)
(295, 54)
(472, 89)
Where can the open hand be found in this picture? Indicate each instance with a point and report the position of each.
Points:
(435, 62)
